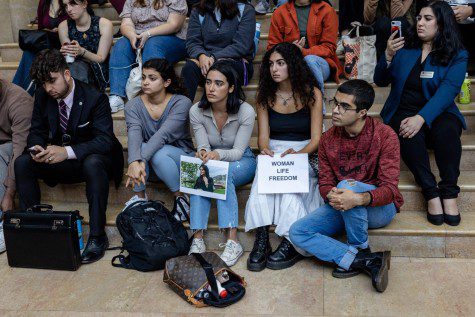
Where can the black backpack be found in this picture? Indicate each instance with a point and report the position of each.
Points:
(151, 235)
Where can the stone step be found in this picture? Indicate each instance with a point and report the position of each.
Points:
(468, 111)
(158, 191)
(11, 52)
(467, 162)
(409, 234)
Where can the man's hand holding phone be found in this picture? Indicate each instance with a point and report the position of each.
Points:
(38, 153)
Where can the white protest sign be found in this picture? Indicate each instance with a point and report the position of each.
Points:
(281, 175)
(208, 180)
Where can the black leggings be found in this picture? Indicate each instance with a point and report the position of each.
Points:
(192, 77)
(444, 138)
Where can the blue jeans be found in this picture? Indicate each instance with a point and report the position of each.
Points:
(319, 68)
(240, 172)
(312, 233)
(122, 58)
(22, 76)
(166, 165)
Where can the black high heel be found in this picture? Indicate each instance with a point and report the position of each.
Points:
(452, 220)
(436, 220)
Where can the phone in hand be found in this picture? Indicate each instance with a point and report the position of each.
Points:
(137, 43)
(33, 150)
(396, 26)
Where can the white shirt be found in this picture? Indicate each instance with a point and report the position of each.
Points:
(69, 100)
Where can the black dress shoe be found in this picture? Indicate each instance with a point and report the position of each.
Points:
(95, 249)
(339, 272)
(436, 220)
(284, 257)
(376, 265)
(452, 220)
(261, 250)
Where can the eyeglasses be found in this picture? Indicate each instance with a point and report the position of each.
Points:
(342, 106)
(66, 139)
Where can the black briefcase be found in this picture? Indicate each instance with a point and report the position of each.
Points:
(42, 238)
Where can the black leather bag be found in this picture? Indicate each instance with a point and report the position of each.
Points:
(37, 40)
(42, 238)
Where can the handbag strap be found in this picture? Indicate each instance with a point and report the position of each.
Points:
(208, 268)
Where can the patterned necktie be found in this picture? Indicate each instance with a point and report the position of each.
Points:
(63, 116)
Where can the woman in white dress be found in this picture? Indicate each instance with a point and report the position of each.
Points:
(290, 120)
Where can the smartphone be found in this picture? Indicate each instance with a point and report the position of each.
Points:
(396, 26)
(33, 150)
(137, 43)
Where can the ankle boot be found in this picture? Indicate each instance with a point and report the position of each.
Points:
(376, 265)
(261, 250)
(284, 257)
(338, 272)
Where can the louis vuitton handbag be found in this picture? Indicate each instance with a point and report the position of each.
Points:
(204, 280)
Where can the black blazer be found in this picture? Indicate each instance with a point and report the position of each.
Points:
(90, 126)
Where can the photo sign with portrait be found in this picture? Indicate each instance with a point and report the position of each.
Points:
(208, 180)
(282, 175)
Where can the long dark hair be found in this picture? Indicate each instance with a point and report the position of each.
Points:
(206, 169)
(447, 42)
(47, 4)
(301, 77)
(235, 98)
(167, 72)
(88, 8)
(229, 8)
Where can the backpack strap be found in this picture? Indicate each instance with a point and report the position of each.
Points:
(208, 268)
(124, 261)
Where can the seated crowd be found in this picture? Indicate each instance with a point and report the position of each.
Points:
(65, 133)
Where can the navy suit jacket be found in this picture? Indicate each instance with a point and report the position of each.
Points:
(440, 90)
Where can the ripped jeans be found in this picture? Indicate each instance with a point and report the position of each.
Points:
(240, 172)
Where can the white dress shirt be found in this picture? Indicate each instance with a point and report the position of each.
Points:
(69, 100)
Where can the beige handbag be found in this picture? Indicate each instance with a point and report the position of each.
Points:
(360, 55)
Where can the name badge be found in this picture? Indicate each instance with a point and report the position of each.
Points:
(425, 74)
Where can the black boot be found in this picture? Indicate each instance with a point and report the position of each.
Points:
(261, 250)
(376, 265)
(338, 272)
(285, 256)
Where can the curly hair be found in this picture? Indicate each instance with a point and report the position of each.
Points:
(157, 4)
(166, 70)
(46, 62)
(448, 41)
(301, 77)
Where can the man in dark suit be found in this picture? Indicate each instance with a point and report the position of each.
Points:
(71, 140)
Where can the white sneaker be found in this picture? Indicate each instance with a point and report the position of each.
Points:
(134, 199)
(197, 246)
(116, 103)
(182, 206)
(3, 247)
(232, 252)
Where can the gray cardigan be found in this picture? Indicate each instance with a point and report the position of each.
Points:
(224, 39)
(172, 128)
(235, 134)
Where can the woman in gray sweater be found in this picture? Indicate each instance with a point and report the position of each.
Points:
(217, 30)
(158, 132)
(222, 123)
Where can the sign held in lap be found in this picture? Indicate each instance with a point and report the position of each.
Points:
(282, 175)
